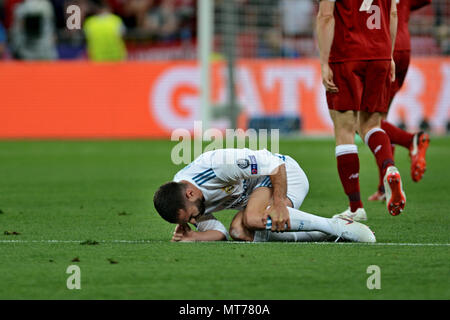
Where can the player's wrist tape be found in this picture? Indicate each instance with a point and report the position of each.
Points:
(269, 224)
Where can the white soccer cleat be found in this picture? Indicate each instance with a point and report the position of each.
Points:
(358, 215)
(351, 230)
(395, 196)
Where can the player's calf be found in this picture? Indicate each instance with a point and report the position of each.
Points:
(238, 231)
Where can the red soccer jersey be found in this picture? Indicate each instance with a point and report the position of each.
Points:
(361, 35)
(404, 8)
(417, 4)
(403, 40)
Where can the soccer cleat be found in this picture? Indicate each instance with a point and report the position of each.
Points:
(358, 215)
(378, 196)
(417, 153)
(351, 230)
(395, 196)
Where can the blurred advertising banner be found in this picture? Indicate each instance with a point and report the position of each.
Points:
(151, 99)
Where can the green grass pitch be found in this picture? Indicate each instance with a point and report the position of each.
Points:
(73, 191)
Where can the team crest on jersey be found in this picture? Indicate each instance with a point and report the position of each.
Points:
(254, 165)
(243, 163)
(228, 189)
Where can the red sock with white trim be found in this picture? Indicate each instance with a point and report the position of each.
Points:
(380, 145)
(397, 135)
(348, 169)
(380, 172)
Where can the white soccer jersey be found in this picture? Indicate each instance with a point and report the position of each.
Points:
(227, 177)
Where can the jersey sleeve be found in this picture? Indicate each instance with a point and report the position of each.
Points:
(209, 222)
(236, 164)
(417, 4)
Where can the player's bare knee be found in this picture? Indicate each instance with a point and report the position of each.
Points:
(238, 234)
(235, 234)
(369, 121)
(345, 125)
(346, 136)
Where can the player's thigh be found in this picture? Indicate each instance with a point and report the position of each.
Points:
(402, 60)
(297, 183)
(377, 85)
(348, 77)
(257, 204)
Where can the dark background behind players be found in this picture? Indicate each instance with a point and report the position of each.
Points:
(266, 28)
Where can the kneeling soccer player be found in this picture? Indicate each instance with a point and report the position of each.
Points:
(264, 187)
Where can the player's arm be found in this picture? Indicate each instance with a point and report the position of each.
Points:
(184, 233)
(393, 32)
(208, 229)
(278, 211)
(325, 36)
(417, 4)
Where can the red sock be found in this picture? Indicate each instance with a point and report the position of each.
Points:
(378, 141)
(380, 172)
(397, 135)
(348, 168)
(380, 180)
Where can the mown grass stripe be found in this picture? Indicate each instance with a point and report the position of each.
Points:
(230, 242)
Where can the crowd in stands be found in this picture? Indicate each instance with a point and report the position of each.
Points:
(37, 29)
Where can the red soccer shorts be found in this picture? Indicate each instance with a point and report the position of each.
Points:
(402, 59)
(363, 86)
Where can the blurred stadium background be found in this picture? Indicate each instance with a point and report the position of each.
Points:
(260, 69)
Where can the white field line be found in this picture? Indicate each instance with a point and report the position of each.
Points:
(3, 241)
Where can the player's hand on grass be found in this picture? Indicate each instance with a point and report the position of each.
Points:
(327, 79)
(392, 70)
(183, 232)
(279, 214)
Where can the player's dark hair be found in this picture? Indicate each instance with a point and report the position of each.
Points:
(168, 199)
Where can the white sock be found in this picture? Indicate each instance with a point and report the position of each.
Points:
(300, 236)
(302, 221)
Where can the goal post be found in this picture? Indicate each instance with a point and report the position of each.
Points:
(205, 34)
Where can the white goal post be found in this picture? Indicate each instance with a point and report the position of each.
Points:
(205, 34)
